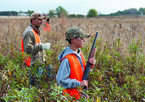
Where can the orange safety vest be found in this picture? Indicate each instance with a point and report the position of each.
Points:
(48, 27)
(76, 73)
(26, 58)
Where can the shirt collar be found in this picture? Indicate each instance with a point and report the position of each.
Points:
(37, 30)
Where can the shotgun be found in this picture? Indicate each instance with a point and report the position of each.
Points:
(88, 65)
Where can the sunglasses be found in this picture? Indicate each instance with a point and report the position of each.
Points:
(80, 38)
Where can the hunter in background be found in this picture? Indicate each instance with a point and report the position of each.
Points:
(47, 25)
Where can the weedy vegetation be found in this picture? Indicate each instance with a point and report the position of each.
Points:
(119, 73)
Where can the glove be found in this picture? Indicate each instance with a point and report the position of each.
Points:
(46, 46)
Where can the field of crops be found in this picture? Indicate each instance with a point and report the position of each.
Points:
(119, 73)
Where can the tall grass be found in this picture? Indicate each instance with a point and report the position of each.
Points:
(119, 73)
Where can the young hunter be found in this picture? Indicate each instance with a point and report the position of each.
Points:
(73, 64)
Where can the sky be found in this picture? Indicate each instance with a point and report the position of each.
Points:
(72, 6)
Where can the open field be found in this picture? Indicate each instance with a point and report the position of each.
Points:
(109, 29)
(119, 74)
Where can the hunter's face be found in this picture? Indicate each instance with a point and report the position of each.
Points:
(37, 22)
(79, 42)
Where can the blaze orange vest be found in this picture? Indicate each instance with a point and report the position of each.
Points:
(76, 73)
(26, 58)
(48, 27)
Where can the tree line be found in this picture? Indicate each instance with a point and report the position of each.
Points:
(91, 13)
(8, 13)
(52, 13)
(131, 11)
(59, 10)
(15, 13)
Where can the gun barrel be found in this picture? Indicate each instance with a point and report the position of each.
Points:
(88, 65)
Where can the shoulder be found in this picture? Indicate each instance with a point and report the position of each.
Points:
(70, 57)
(28, 30)
(29, 33)
(64, 63)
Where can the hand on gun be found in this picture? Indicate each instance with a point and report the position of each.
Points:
(92, 58)
(92, 61)
(84, 83)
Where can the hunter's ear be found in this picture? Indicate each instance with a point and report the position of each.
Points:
(72, 39)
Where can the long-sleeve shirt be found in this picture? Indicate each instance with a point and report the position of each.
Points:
(30, 47)
(64, 69)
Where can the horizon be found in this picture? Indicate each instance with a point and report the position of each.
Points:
(71, 6)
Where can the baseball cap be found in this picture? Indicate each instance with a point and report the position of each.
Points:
(75, 32)
(37, 15)
(47, 19)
